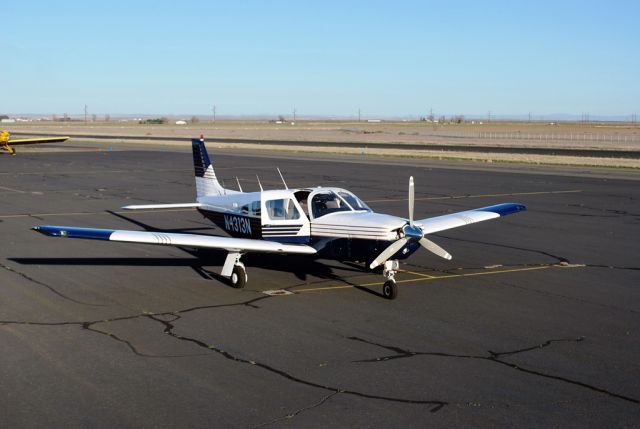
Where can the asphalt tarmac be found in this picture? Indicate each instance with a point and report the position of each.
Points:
(534, 323)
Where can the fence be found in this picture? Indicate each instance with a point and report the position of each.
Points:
(584, 137)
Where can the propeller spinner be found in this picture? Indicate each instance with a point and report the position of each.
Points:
(409, 232)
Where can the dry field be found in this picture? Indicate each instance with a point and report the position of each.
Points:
(610, 136)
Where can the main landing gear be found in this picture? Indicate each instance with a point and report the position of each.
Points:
(239, 276)
(235, 271)
(390, 289)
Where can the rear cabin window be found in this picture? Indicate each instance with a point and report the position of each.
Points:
(252, 209)
(284, 209)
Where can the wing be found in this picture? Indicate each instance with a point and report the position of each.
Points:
(176, 239)
(162, 206)
(454, 220)
(38, 140)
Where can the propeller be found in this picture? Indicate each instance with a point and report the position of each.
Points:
(410, 232)
(434, 248)
(389, 252)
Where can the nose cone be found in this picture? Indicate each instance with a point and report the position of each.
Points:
(412, 232)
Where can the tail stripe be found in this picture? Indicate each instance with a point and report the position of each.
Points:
(206, 181)
(200, 157)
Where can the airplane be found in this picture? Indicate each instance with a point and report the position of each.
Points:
(323, 222)
(5, 139)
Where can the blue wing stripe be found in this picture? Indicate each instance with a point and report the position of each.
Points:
(72, 232)
(503, 209)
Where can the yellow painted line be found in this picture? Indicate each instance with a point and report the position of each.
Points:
(484, 273)
(425, 277)
(459, 197)
(416, 274)
(327, 288)
(91, 213)
(12, 190)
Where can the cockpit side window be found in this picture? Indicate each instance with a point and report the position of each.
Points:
(302, 197)
(324, 203)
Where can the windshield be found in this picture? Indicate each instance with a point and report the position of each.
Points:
(327, 202)
(355, 202)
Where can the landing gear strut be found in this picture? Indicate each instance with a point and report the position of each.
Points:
(234, 270)
(390, 289)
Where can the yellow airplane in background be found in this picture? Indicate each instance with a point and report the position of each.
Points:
(5, 139)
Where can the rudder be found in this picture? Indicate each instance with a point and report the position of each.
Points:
(206, 181)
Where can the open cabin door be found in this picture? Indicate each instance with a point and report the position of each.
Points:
(283, 218)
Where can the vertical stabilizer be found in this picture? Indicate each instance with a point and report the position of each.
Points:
(206, 182)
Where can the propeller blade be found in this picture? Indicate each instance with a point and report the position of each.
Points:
(388, 252)
(411, 200)
(434, 248)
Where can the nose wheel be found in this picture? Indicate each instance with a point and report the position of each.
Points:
(390, 288)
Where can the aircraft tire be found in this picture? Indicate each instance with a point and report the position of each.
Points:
(390, 289)
(238, 277)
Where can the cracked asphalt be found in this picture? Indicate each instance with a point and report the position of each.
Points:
(534, 323)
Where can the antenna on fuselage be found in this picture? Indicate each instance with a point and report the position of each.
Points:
(259, 184)
(280, 173)
(239, 185)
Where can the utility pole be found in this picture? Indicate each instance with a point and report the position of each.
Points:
(489, 116)
(85, 114)
(213, 110)
(294, 114)
(358, 114)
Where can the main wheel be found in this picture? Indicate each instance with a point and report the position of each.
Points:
(238, 277)
(390, 290)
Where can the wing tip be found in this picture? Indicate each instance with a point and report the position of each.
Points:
(74, 232)
(504, 209)
(47, 230)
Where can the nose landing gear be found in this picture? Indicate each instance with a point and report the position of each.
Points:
(390, 289)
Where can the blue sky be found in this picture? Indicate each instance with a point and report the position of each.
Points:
(324, 58)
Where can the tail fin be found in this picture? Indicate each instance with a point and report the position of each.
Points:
(206, 182)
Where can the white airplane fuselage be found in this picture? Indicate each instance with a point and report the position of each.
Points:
(332, 220)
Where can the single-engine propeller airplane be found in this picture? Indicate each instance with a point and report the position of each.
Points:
(330, 223)
(6, 142)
